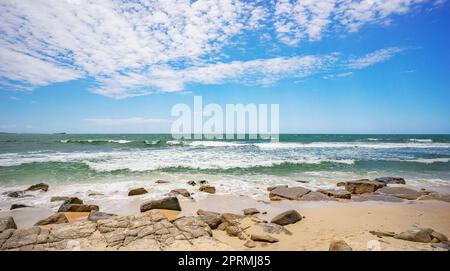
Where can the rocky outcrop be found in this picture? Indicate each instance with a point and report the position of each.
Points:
(182, 192)
(338, 194)
(339, 245)
(137, 191)
(96, 216)
(263, 238)
(390, 180)
(208, 189)
(149, 231)
(363, 186)
(7, 223)
(291, 193)
(57, 218)
(39, 186)
(169, 203)
(399, 192)
(250, 211)
(286, 218)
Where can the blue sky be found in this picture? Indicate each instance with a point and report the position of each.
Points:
(333, 66)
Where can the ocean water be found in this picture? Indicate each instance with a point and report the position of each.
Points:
(113, 163)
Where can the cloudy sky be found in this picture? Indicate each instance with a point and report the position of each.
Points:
(334, 66)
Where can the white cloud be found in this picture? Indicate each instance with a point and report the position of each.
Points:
(133, 48)
(338, 75)
(124, 122)
(373, 58)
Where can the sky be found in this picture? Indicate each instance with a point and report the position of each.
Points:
(333, 66)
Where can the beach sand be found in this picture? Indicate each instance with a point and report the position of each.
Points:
(323, 221)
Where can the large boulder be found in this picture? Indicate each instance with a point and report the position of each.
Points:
(390, 180)
(96, 216)
(39, 186)
(416, 235)
(286, 218)
(339, 194)
(57, 218)
(137, 191)
(339, 245)
(400, 192)
(208, 189)
(7, 223)
(363, 186)
(169, 203)
(291, 193)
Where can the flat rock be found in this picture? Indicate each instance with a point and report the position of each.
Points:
(137, 191)
(183, 192)
(316, 196)
(207, 213)
(7, 223)
(291, 193)
(57, 198)
(208, 189)
(96, 216)
(286, 218)
(251, 211)
(363, 186)
(161, 181)
(274, 228)
(339, 194)
(263, 238)
(57, 218)
(416, 235)
(67, 207)
(339, 245)
(375, 197)
(39, 186)
(270, 188)
(390, 180)
(169, 203)
(18, 206)
(400, 192)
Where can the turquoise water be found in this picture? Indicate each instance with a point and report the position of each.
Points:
(26, 158)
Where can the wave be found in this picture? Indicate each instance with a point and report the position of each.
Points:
(95, 141)
(324, 145)
(427, 140)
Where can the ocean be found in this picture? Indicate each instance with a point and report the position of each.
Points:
(112, 163)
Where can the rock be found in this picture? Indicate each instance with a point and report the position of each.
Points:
(292, 193)
(96, 216)
(161, 182)
(15, 194)
(390, 180)
(435, 196)
(18, 205)
(191, 183)
(316, 196)
(339, 194)
(439, 236)
(375, 197)
(181, 191)
(288, 217)
(207, 213)
(415, 235)
(203, 182)
(73, 200)
(270, 188)
(250, 211)
(381, 234)
(275, 198)
(67, 207)
(300, 181)
(250, 244)
(192, 227)
(274, 228)
(169, 203)
(263, 238)
(339, 184)
(232, 230)
(94, 194)
(53, 199)
(362, 186)
(208, 189)
(222, 226)
(399, 192)
(339, 245)
(74, 230)
(213, 221)
(39, 186)
(137, 191)
(231, 218)
(7, 223)
(57, 218)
